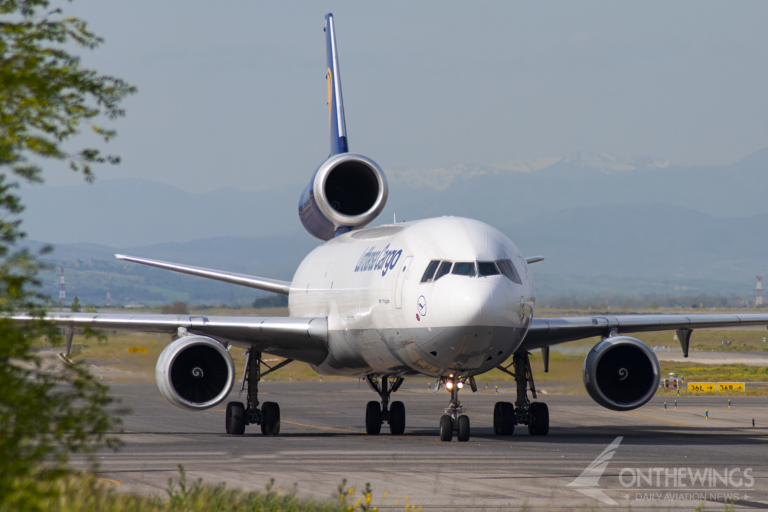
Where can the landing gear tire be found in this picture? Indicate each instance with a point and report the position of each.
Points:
(503, 419)
(373, 418)
(446, 428)
(235, 419)
(270, 419)
(463, 429)
(539, 419)
(397, 418)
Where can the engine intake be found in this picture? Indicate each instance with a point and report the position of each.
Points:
(621, 373)
(195, 372)
(347, 191)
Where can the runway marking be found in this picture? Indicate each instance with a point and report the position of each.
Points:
(659, 419)
(109, 483)
(324, 428)
(322, 412)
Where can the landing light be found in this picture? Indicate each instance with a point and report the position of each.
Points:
(460, 385)
(449, 385)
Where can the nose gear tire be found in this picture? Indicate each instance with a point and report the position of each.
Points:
(463, 428)
(373, 418)
(235, 419)
(397, 418)
(446, 428)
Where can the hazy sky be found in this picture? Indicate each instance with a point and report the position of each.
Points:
(232, 93)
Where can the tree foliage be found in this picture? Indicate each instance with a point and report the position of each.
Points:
(47, 98)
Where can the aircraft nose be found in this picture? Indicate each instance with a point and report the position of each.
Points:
(478, 302)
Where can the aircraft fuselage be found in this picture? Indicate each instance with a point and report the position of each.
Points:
(383, 320)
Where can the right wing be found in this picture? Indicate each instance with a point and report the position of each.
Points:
(260, 283)
(302, 339)
(545, 332)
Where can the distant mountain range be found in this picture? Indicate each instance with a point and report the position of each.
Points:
(629, 221)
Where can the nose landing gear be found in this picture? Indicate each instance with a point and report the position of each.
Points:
(238, 416)
(524, 412)
(376, 415)
(454, 418)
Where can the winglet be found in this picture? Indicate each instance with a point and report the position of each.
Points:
(336, 124)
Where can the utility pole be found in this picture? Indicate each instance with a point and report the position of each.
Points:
(62, 291)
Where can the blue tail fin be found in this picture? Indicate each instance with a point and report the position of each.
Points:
(336, 123)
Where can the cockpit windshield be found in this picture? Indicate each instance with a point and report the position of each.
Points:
(487, 268)
(464, 268)
(509, 270)
(437, 269)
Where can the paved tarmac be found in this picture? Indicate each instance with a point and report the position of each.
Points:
(323, 440)
(712, 357)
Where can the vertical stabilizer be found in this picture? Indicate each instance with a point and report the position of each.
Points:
(336, 123)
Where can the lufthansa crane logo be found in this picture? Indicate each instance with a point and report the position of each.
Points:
(421, 304)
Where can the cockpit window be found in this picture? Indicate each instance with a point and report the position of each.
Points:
(445, 267)
(487, 268)
(430, 272)
(466, 268)
(508, 269)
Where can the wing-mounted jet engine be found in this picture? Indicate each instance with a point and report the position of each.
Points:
(195, 372)
(621, 373)
(347, 191)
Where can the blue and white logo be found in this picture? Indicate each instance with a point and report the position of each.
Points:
(421, 304)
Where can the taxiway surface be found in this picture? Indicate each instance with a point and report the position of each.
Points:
(323, 440)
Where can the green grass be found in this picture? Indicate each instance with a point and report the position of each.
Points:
(85, 493)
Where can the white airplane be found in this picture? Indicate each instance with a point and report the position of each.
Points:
(447, 298)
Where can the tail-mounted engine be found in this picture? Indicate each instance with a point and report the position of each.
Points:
(195, 372)
(621, 373)
(347, 191)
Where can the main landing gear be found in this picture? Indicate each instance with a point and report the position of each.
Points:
(454, 418)
(533, 414)
(238, 416)
(376, 415)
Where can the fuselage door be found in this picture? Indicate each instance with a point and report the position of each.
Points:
(401, 275)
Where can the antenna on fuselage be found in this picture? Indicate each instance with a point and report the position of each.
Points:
(394, 218)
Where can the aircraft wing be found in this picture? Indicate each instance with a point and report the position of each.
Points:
(302, 339)
(545, 332)
(260, 283)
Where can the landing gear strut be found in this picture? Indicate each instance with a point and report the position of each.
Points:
(454, 417)
(524, 412)
(376, 415)
(238, 416)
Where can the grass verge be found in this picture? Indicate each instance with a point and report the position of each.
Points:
(85, 493)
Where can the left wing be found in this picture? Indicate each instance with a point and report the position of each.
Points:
(545, 332)
(260, 283)
(302, 339)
